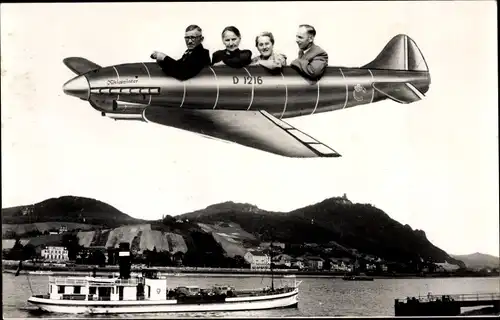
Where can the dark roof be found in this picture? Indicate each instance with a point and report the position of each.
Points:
(257, 253)
(283, 255)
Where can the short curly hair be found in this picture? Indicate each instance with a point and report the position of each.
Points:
(264, 34)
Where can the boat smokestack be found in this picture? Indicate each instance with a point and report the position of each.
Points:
(124, 260)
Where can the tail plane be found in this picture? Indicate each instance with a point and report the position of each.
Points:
(401, 53)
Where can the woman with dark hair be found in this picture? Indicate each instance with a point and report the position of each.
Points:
(232, 56)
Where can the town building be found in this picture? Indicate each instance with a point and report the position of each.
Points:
(344, 200)
(314, 263)
(258, 260)
(370, 267)
(54, 253)
(298, 263)
(341, 264)
(283, 260)
(178, 258)
(266, 245)
(95, 255)
(372, 258)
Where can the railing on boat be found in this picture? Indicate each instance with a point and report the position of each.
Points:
(93, 281)
(68, 281)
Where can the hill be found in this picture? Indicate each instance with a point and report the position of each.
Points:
(360, 226)
(231, 237)
(228, 228)
(68, 209)
(10, 230)
(98, 224)
(479, 260)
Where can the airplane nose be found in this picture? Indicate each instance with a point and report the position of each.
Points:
(77, 87)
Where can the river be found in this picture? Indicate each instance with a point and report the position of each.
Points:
(318, 296)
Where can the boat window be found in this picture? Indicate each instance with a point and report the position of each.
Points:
(60, 289)
(92, 290)
(77, 289)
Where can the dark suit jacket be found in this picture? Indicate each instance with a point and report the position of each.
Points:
(235, 59)
(313, 64)
(188, 66)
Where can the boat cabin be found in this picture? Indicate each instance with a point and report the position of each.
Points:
(110, 289)
(90, 288)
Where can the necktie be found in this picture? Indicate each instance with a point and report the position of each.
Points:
(301, 53)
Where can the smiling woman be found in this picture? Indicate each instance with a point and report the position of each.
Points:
(268, 58)
(232, 56)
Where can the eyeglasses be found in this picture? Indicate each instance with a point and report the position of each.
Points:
(192, 38)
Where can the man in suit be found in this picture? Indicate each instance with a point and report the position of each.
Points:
(312, 60)
(192, 62)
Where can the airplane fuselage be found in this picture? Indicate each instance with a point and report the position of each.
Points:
(126, 89)
(247, 105)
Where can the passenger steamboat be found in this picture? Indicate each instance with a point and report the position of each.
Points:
(149, 293)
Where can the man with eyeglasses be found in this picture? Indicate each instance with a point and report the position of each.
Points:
(192, 62)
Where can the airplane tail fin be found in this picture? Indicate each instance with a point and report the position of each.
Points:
(400, 53)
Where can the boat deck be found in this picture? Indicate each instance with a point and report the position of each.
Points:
(172, 296)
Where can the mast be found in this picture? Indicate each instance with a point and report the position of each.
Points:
(271, 264)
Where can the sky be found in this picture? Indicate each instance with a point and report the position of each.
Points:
(432, 164)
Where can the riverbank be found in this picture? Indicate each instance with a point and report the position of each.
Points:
(9, 265)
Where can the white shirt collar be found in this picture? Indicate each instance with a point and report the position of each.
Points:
(305, 51)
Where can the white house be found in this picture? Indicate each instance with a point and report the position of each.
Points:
(283, 260)
(258, 260)
(371, 267)
(55, 253)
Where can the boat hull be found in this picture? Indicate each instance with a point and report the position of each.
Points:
(283, 300)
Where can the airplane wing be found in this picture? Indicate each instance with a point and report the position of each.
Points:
(255, 129)
(80, 65)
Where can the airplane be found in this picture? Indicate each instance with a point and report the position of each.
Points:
(247, 105)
